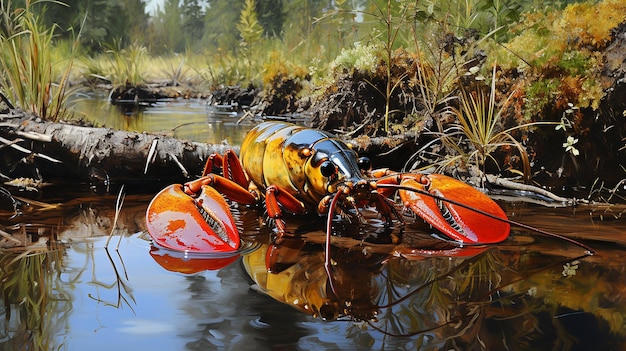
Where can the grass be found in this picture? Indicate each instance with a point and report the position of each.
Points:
(30, 78)
(479, 131)
(30, 286)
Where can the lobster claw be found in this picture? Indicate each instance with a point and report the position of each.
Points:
(176, 262)
(461, 223)
(180, 222)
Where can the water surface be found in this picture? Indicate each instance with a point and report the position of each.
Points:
(531, 292)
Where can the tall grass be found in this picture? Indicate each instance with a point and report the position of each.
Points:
(28, 76)
(480, 122)
(122, 65)
(33, 297)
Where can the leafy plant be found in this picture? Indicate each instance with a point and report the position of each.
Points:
(480, 124)
(250, 31)
(125, 65)
(28, 70)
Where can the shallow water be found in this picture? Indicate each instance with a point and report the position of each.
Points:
(190, 119)
(530, 292)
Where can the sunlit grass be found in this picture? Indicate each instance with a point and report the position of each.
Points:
(34, 77)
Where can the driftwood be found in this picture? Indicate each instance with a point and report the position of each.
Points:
(67, 150)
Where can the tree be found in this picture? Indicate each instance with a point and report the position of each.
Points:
(250, 31)
(271, 16)
(104, 21)
(220, 24)
(167, 27)
(192, 18)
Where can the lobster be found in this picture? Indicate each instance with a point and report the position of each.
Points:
(301, 170)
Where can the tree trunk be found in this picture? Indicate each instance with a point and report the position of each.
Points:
(50, 149)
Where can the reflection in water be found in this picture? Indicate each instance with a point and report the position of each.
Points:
(530, 292)
(36, 302)
(442, 302)
(184, 119)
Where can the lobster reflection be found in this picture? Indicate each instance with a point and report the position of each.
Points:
(400, 292)
(301, 281)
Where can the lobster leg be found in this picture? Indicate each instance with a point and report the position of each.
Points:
(226, 187)
(275, 197)
(456, 209)
(234, 184)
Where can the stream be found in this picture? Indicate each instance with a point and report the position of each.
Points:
(92, 281)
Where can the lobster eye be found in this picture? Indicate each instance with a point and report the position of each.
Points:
(327, 168)
(364, 163)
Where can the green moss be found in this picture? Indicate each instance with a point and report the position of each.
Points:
(362, 58)
(559, 54)
(574, 62)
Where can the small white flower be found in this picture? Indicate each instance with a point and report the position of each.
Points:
(569, 145)
(570, 269)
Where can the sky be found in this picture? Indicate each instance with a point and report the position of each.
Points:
(151, 5)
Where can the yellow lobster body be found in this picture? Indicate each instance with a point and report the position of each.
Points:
(289, 157)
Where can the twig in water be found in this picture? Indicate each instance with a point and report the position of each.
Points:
(118, 209)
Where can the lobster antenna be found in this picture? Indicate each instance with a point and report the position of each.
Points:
(329, 224)
(509, 221)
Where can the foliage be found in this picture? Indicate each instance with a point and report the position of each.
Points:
(480, 123)
(362, 58)
(283, 81)
(250, 32)
(100, 21)
(29, 76)
(271, 16)
(31, 293)
(393, 19)
(124, 66)
(192, 22)
(220, 32)
(166, 29)
(558, 53)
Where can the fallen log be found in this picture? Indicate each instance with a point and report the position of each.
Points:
(87, 152)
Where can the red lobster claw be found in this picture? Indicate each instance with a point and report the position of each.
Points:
(204, 224)
(175, 263)
(462, 223)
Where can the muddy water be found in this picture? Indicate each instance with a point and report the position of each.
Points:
(532, 292)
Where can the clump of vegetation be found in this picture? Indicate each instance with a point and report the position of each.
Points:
(120, 65)
(30, 78)
(558, 65)
(559, 55)
(283, 81)
(356, 100)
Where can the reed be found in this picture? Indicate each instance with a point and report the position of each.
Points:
(33, 296)
(480, 122)
(125, 65)
(28, 76)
